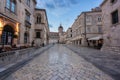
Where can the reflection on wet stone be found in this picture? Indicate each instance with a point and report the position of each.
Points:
(59, 63)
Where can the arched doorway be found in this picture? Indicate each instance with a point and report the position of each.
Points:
(7, 35)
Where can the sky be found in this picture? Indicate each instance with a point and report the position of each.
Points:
(65, 12)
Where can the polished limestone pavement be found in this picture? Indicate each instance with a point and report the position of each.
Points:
(59, 63)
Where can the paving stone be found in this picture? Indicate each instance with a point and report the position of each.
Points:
(59, 63)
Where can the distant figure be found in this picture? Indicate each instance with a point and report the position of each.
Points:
(99, 44)
(33, 43)
(43, 44)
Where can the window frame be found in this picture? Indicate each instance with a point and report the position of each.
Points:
(28, 2)
(38, 34)
(12, 5)
(39, 19)
(27, 16)
(113, 2)
(113, 18)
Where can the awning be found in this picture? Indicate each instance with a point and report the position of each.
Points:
(96, 38)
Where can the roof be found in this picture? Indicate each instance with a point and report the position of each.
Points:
(35, 1)
(103, 2)
(60, 26)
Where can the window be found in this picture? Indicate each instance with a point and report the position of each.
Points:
(113, 1)
(25, 38)
(71, 35)
(11, 5)
(115, 17)
(27, 16)
(88, 19)
(88, 29)
(99, 19)
(99, 29)
(38, 20)
(8, 4)
(38, 34)
(28, 2)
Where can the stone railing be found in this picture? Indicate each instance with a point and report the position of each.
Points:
(11, 57)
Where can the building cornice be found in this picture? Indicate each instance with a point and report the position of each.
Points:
(103, 3)
(35, 1)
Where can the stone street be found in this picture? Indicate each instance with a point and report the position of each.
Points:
(59, 63)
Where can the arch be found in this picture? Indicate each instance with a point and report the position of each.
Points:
(7, 35)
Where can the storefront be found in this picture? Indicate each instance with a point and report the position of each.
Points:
(9, 31)
(95, 42)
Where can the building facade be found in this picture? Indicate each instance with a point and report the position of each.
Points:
(17, 22)
(53, 37)
(87, 28)
(41, 27)
(69, 36)
(111, 25)
(62, 35)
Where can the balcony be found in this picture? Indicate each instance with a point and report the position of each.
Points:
(27, 24)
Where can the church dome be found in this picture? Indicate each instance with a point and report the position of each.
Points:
(60, 26)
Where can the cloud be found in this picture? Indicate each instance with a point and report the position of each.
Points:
(61, 3)
(74, 1)
(50, 6)
(57, 7)
(50, 25)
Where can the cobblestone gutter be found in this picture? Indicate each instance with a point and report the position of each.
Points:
(11, 61)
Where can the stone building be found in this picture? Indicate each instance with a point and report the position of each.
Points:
(87, 28)
(41, 27)
(17, 22)
(111, 25)
(69, 36)
(62, 34)
(53, 37)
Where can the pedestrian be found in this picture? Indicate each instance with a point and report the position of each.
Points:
(43, 44)
(99, 44)
(33, 43)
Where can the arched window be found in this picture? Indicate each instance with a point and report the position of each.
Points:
(38, 19)
(11, 5)
(7, 35)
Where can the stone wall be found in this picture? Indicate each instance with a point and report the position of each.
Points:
(111, 31)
